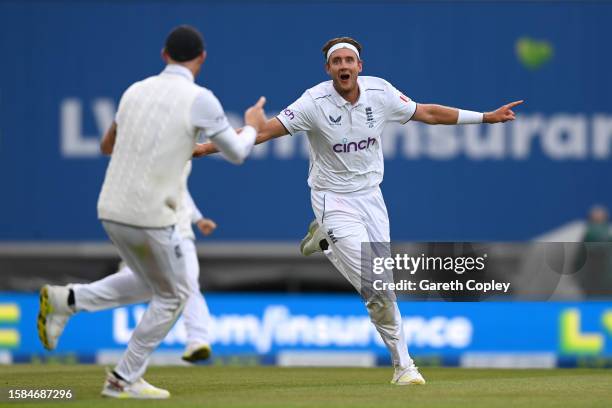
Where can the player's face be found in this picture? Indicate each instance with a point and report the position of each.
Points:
(343, 67)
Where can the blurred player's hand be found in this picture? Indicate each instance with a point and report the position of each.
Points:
(502, 114)
(206, 226)
(255, 115)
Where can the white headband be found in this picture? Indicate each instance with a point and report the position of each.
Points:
(342, 45)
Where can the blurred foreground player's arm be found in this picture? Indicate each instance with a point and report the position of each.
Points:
(273, 128)
(208, 115)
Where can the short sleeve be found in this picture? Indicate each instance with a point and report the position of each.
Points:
(298, 117)
(399, 107)
(207, 114)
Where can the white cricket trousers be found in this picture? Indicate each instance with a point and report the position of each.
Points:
(126, 287)
(155, 256)
(349, 220)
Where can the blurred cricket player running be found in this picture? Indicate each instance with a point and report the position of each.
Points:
(126, 287)
(343, 120)
(151, 140)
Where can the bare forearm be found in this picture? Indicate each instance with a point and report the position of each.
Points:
(263, 137)
(436, 114)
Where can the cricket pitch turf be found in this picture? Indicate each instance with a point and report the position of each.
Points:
(214, 386)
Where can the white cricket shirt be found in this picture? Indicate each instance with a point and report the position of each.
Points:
(345, 143)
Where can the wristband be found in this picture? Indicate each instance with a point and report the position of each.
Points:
(467, 117)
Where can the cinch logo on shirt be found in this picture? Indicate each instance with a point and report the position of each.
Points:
(289, 114)
(355, 146)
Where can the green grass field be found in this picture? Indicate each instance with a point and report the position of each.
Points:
(324, 387)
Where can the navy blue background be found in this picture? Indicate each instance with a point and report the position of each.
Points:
(459, 54)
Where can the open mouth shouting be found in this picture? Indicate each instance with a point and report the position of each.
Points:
(344, 77)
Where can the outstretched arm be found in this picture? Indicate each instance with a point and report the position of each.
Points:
(444, 115)
(273, 128)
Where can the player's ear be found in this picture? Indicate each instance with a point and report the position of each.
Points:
(327, 68)
(164, 55)
(203, 57)
(360, 65)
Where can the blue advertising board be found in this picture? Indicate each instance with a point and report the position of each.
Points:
(268, 325)
(64, 70)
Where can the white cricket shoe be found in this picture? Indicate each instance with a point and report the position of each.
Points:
(314, 236)
(407, 376)
(197, 352)
(139, 389)
(53, 314)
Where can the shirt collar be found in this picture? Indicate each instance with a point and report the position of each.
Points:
(175, 69)
(340, 101)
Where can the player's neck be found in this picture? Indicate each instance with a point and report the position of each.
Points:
(351, 96)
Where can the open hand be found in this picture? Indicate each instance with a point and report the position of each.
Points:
(255, 115)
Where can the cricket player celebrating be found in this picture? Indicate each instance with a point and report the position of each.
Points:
(343, 120)
(152, 139)
(126, 287)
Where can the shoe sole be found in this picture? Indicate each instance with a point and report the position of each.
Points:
(126, 395)
(44, 309)
(201, 354)
(414, 382)
(312, 227)
(115, 394)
